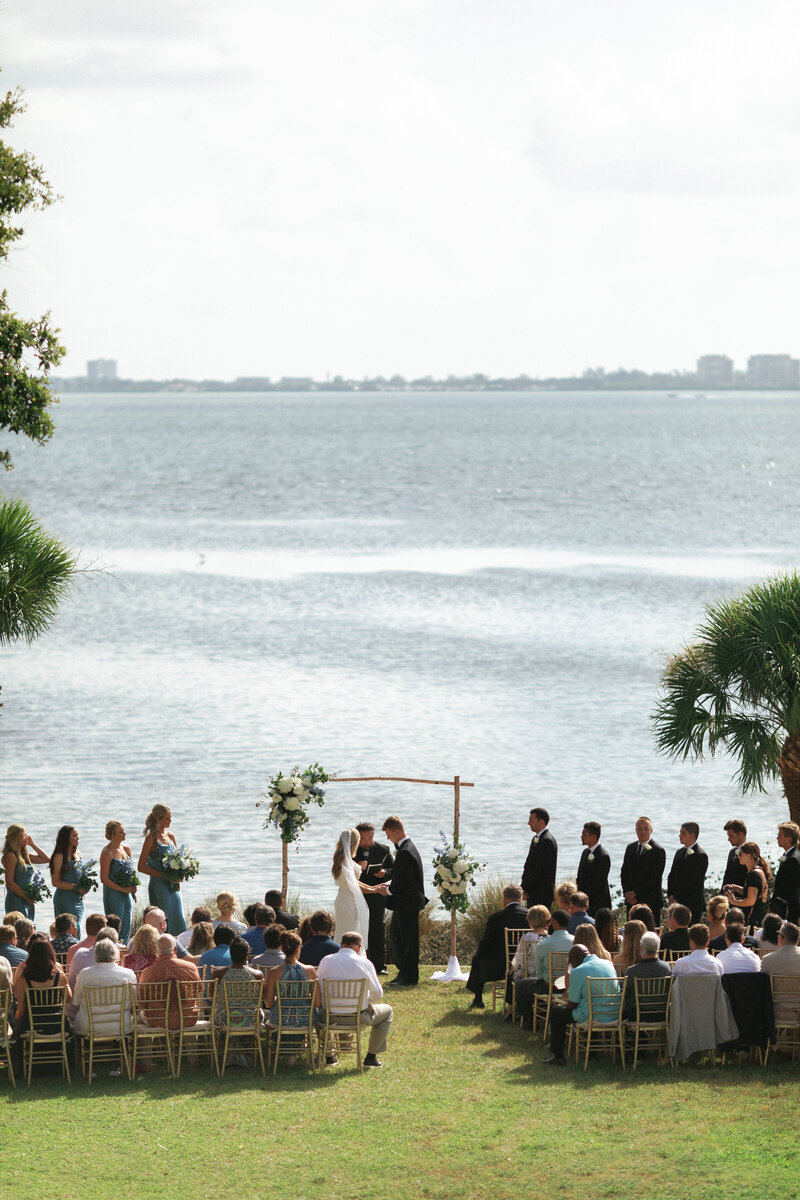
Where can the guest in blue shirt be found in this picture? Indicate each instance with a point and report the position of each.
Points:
(320, 944)
(583, 968)
(219, 955)
(9, 948)
(578, 905)
(254, 936)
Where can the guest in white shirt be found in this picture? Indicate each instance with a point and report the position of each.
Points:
(350, 963)
(85, 957)
(737, 959)
(105, 973)
(698, 961)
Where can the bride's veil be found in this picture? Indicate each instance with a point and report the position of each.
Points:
(348, 865)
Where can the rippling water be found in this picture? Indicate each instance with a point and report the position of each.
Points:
(390, 584)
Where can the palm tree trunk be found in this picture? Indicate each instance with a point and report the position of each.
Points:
(789, 763)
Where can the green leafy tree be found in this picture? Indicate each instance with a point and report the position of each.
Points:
(737, 687)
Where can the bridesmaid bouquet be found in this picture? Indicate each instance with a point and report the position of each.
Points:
(127, 874)
(179, 864)
(290, 795)
(36, 889)
(86, 876)
(454, 874)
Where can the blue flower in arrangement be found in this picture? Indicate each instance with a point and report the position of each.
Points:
(36, 889)
(86, 876)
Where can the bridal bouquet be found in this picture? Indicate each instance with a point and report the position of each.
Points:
(86, 876)
(36, 889)
(454, 874)
(179, 864)
(289, 797)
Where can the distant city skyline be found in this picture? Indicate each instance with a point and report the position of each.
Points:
(420, 186)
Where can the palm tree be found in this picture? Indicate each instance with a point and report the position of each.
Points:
(35, 572)
(737, 686)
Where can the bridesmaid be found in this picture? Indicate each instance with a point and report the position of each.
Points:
(157, 843)
(17, 864)
(118, 897)
(63, 874)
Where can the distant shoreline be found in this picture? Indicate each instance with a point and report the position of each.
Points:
(683, 389)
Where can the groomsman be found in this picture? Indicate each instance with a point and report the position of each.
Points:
(593, 869)
(737, 836)
(688, 872)
(643, 869)
(376, 864)
(787, 876)
(539, 873)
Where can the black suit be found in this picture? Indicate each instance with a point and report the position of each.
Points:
(377, 857)
(642, 874)
(687, 877)
(489, 961)
(286, 919)
(406, 901)
(734, 871)
(539, 872)
(593, 877)
(787, 884)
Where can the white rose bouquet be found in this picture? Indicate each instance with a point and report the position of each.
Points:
(289, 797)
(454, 874)
(179, 864)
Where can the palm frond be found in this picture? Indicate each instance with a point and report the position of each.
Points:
(36, 571)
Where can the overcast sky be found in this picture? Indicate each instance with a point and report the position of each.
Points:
(362, 187)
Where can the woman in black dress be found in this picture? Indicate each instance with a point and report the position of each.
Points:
(751, 897)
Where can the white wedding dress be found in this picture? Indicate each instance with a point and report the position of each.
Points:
(350, 909)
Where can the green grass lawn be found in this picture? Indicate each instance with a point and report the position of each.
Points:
(462, 1107)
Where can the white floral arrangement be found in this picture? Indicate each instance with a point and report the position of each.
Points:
(454, 874)
(178, 865)
(289, 797)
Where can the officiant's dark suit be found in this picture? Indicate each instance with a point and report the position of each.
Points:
(406, 901)
(593, 877)
(686, 879)
(489, 960)
(787, 884)
(539, 872)
(378, 858)
(642, 873)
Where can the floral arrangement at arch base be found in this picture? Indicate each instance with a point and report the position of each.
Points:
(454, 874)
(289, 797)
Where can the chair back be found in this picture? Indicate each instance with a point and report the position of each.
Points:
(528, 959)
(188, 1001)
(674, 955)
(557, 965)
(5, 1011)
(294, 999)
(513, 939)
(343, 997)
(241, 1002)
(652, 998)
(156, 1006)
(606, 996)
(47, 1011)
(107, 1008)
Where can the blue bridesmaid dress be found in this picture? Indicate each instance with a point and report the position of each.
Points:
(69, 902)
(161, 892)
(120, 903)
(22, 874)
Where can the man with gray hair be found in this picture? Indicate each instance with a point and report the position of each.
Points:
(785, 961)
(169, 966)
(85, 957)
(649, 966)
(105, 973)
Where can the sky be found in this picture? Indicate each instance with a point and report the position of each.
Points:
(364, 187)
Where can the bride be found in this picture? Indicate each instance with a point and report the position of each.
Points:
(352, 914)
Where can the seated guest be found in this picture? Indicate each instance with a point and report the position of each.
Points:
(244, 1014)
(559, 942)
(94, 922)
(581, 970)
(736, 958)
(293, 970)
(106, 972)
(677, 935)
(699, 962)
(5, 977)
(320, 943)
(8, 946)
(263, 916)
(768, 939)
(734, 916)
(563, 893)
(143, 950)
(86, 957)
(201, 939)
(605, 922)
(168, 966)
(715, 915)
(649, 966)
(40, 970)
(525, 956)
(273, 955)
(114, 921)
(274, 899)
(644, 913)
(219, 955)
(785, 961)
(66, 924)
(350, 963)
(630, 953)
(24, 929)
(12, 917)
(579, 911)
(304, 929)
(199, 914)
(489, 960)
(586, 935)
(226, 906)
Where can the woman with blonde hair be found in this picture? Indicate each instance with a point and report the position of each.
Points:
(226, 906)
(116, 871)
(350, 909)
(18, 861)
(631, 951)
(715, 915)
(142, 951)
(158, 842)
(563, 893)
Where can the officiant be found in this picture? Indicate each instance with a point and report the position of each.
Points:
(376, 864)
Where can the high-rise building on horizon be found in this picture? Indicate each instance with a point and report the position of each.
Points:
(101, 370)
(715, 370)
(773, 371)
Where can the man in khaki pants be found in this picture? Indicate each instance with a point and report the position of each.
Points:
(350, 963)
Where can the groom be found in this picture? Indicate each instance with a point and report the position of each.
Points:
(406, 898)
